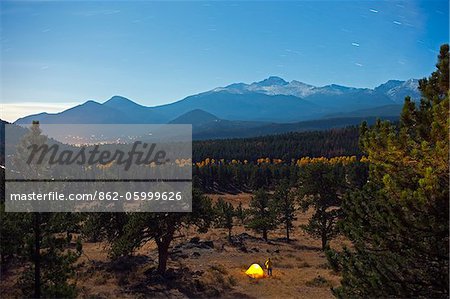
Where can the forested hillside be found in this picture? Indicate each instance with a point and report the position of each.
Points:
(331, 143)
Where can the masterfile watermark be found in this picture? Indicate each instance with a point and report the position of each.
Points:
(50, 167)
(141, 153)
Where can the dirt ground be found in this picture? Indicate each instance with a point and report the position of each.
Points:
(201, 268)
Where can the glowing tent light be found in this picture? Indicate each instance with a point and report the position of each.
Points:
(255, 271)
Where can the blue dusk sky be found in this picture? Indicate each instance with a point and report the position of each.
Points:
(57, 54)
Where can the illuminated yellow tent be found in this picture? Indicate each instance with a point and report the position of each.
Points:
(255, 271)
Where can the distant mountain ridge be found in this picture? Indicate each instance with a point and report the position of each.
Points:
(278, 86)
(242, 106)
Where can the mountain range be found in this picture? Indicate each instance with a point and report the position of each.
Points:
(254, 108)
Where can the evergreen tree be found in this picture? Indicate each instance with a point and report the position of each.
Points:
(104, 226)
(52, 268)
(262, 213)
(257, 178)
(321, 186)
(224, 215)
(398, 223)
(161, 227)
(357, 174)
(285, 205)
(43, 238)
(13, 226)
(241, 213)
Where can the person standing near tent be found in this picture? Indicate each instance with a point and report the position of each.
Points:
(268, 265)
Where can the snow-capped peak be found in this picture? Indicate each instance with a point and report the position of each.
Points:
(273, 85)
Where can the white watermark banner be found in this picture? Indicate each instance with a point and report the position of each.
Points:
(98, 168)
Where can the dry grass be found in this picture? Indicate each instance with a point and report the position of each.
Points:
(299, 267)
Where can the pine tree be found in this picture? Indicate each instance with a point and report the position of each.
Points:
(225, 214)
(257, 178)
(49, 262)
(321, 186)
(262, 213)
(241, 213)
(285, 205)
(104, 226)
(52, 267)
(161, 227)
(398, 223)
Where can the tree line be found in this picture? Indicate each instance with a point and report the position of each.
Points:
(234, 176)
(288, 146)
